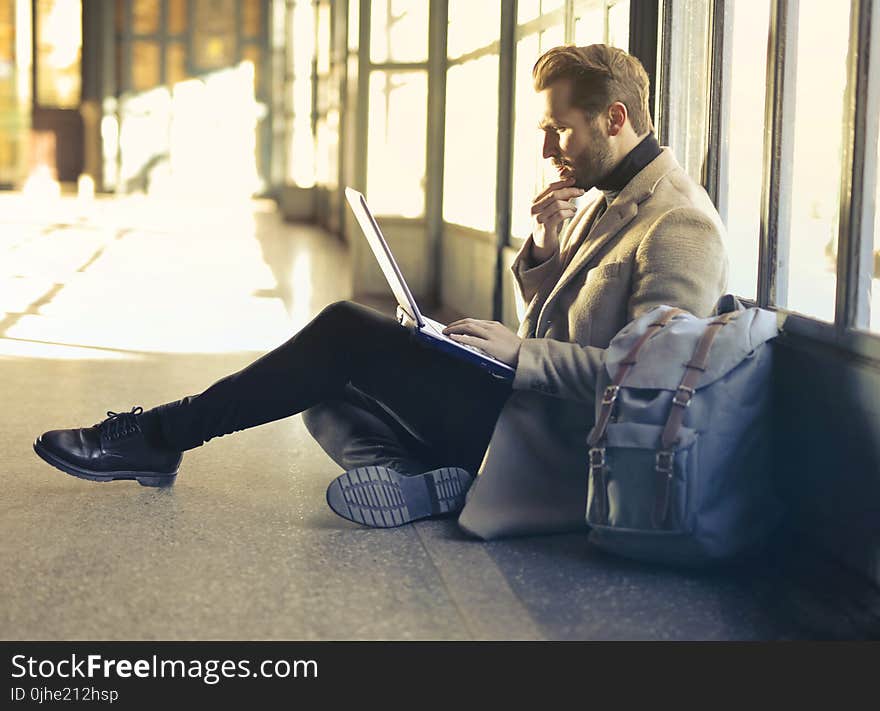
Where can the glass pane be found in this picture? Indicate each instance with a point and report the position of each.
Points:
(251, 18)
(618, 24)
(175, 62)
(589, 24)
(302, 21)
(302, 145)
(397, 143)
(471, 143)
(323, 39)
(177, 10)
(58, 50)
(527, 10)
(526, 139)
(327, 151)
(551, 37)
(301, 142)
(145, 17)
(745, 145)
(821, 80)
(353, 24)
(472, 25)
(399, 31)
(215, 37)
(548, 6)
(145, 65)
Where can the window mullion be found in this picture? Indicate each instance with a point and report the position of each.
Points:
(664, 65)
(503, 180)
(569, 22)
(858, 177)
(778, 154)
(719, 105)
(438, 65)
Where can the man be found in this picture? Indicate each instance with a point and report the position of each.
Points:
(652, 237)
(411, 424)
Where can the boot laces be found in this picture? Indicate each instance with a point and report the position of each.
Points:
(120, 424)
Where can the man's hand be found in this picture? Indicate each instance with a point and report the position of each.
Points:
(549, 209)
(490, 336)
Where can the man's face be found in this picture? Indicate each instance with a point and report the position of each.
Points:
(577, 145)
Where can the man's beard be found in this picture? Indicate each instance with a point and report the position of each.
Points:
(593, 165)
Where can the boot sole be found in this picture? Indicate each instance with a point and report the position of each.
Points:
(380, 497)
(142, 478)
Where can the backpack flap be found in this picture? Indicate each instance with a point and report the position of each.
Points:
(662, 361)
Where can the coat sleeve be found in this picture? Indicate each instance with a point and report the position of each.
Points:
(529, 276)
(680, 262)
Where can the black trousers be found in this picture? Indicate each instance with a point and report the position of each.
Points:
(369, 391)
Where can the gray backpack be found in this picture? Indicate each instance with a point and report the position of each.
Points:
(680, 455)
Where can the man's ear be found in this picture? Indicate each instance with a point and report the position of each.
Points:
(616, 118)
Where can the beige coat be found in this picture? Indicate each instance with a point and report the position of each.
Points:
(659, 242)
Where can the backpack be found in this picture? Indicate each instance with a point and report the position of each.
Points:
(680, 453)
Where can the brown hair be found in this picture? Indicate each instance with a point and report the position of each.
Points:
(600, 75)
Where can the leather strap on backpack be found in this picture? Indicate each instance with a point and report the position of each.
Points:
(609, 398)
(664, 459)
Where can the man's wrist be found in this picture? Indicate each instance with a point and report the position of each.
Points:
(539, 255)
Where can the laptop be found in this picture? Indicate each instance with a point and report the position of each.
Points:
(426, 329)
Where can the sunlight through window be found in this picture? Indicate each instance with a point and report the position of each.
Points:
(397, 143)
(817, 154)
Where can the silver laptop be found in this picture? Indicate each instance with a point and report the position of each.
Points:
(427, 329)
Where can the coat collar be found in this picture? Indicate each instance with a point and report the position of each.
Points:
(618, 215)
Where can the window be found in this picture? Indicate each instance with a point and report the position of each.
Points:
(470, 162)
(817, 158)
(471, 143)
(301, 146)
(529, 10)
(471, 26)
(58, 48)
(747, 81)
(814, 147)
(396, 147)
(398, 31)
(596, 21)
(327, 108)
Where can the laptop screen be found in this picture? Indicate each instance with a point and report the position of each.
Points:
(380, 248)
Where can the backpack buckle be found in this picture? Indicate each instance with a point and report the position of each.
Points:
(610, 394)
(597, 458)
(663, 462)
(683, 396)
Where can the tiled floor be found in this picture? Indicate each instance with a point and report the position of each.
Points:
(138, 303)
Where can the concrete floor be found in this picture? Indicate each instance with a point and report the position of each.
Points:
(138, 303)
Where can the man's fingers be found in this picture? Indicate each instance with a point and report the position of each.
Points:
(556, 213)
(564, 194)
(459, 322)
(470, 326)
(554, 200)
(553, 186)
(469, 340)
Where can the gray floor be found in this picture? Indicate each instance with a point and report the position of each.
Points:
(138, 304)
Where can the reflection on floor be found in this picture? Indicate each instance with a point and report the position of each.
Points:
(138, 303)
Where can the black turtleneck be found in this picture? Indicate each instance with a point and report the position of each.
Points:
(647, 150)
